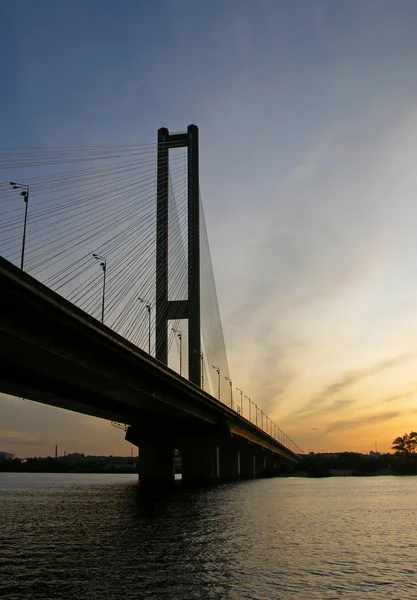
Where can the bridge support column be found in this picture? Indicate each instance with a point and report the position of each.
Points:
(259, 460)
(156, 461)
(247, 458)
(230, 460)
(156, 455)
(200, 459)
(271, 460)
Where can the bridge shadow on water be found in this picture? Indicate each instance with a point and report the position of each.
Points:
(177, 539)
(91, 537)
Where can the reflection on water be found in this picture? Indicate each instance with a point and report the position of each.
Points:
(107, 537)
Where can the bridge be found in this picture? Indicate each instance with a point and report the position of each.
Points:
(73, 356)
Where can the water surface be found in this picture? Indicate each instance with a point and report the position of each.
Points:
(66, 536)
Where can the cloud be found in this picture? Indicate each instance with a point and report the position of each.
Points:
(325, 403)
(354, 377)
(397, 397)
(359, 422)
(315, 257)
(7, 439)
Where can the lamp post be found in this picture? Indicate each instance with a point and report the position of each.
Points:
(148, 306)
(262, 419)
(179, 333)
(249, 402)
(218, 375)
(201, 355)
(256, 413)
(25, 194)
(103, 265)
(241, 400)
(231, 391)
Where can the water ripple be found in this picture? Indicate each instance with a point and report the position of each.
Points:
(106, 537)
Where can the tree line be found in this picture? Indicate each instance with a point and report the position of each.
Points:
(403, 461)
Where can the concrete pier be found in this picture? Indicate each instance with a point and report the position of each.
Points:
(230, 459)
(209, 453)
(200, 459)
(156, 461)
(156, 453)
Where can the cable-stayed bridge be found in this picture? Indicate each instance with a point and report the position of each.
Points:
(109, 305)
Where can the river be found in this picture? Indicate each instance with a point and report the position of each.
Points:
(105, 537)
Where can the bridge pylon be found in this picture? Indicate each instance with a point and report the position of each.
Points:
(166, 309)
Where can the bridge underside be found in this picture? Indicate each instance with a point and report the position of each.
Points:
(54, 353)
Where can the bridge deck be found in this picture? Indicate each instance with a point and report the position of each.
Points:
(54, 353)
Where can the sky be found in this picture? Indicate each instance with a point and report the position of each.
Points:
(307, 113)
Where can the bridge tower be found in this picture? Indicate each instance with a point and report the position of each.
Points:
(178, 309)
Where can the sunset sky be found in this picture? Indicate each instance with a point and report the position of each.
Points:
(308, 117)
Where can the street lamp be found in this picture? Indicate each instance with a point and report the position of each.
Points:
(202, 370)
(262, 419)
(103, 265)
(179, 333)
(218, 374)
(241, 400)
(256, 413)
(231, 392)
(201, 355)
(25, 194)
(148, 306)
(248, 404)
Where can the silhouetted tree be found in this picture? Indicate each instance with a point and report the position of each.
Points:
(405, 445)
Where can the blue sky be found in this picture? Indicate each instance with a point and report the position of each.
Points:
(307, 113)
